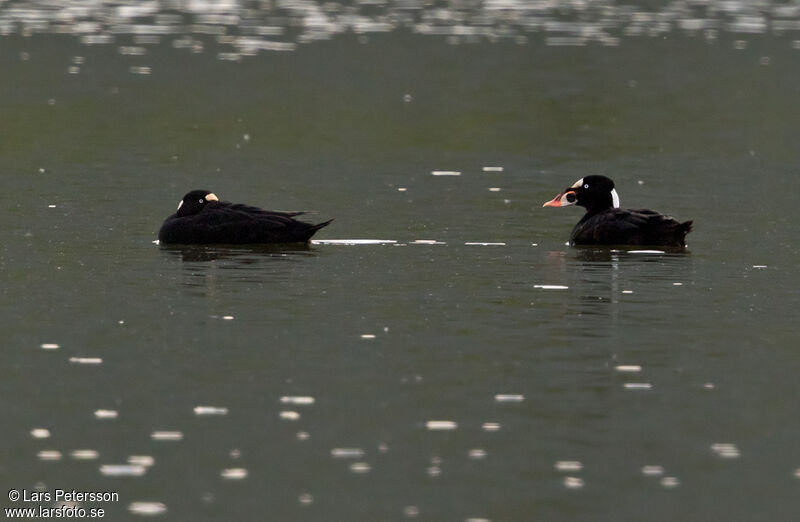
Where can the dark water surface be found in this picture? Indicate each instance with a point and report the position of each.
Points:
(520, 380)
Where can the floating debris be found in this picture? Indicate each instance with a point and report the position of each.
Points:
(509, 397)
(568, 465)
(122, 470)
(233, 473)
(297, 399)
(210, 410)
(40, 433)
(441, 425)
(167, 435)
(147, 508)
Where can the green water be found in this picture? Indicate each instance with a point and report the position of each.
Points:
(93, 160)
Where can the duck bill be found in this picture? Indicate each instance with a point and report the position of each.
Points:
(562, 200)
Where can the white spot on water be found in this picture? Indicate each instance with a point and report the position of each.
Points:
(233, 473)
(669, 482)
(166, 435)
(441, 425)
(411, 511)
(645, 251)
(84, 454)
(360, 467)
(227, 317)
(305, 498)
(50, 346)
(210, 410)
(494, 189)
(551, 287)
(477, 453)
(86, 360)
(122, 470)
(297, 399)
(652, 470)
(302, 435)
(726, 450)
(759, 266)
(490, 426)
(51, 206)
(106, 414)
(289, 415)
(347, 453)
(493, 169)
(40, 433)
(628, 368)
(569, 465)
(445, 173)
(353, 241)
(476, 243)
(709, 386)
(509, 397)
(147, 508)
(627, 291)
(141, 460)
(402, 189)
(368, 336)
(573, 482)
(427, 242)
(49, 455)
(638, 386)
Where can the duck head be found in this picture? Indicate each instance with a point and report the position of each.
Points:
(594, 193)
(194, 202)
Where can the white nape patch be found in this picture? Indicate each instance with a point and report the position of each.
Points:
(180, 205)
(615, 198)
(577, 184)
(211, 197)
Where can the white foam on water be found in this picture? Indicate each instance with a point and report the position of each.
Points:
(147, 508)
(106, 414)
(509, 397)
(726, 450)
(551, 287)
(347, 453)
(652, 470)
(441, 425)
(233, 473)
(759, 266)
(677, 284)
(445, 173)
(493, 169)
(427, 242)
(368, 336)
(669, 482)
(305, 498)
(350, 242)
(289, 415)
(638, 386)
(166, 435)
(122, 470)
(490, 426)
(708, 385)
(568, 465)
(477, 453)
(478, 243)
(210, 410)
(402, 189)
(49, 455)
(494, 189)
(227, 317)
(84, 454)
(645, 251)
(86, 360)
(49, 346)
(302, 435)
(40, 433)
(297, 399)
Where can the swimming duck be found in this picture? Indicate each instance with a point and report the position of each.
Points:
(606, 224)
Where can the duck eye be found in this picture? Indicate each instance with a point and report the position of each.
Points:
(199, 200)
(571, 197)
(586, 186)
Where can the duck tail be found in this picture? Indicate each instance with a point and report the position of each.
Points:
(312, 229)
(683, 229)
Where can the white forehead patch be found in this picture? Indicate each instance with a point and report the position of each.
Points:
(577, 184)
(615, 198)
(180, 205)
(211, 197)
